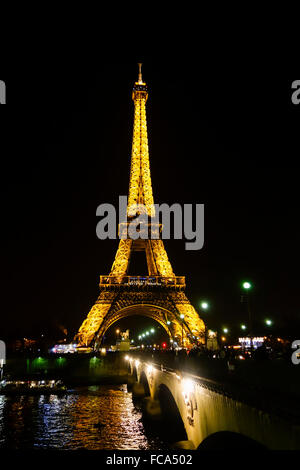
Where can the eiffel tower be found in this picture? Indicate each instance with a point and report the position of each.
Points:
(160, 295)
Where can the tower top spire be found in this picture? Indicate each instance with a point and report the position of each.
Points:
(140, 73)
(140, 87)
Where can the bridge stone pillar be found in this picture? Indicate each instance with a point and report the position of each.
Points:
(138, 390)
(151, 408)
(130, 381)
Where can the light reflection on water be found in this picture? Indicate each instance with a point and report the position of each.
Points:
(97, 417)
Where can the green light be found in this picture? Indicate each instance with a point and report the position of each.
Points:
(147, 333)
(94, 362)
(269, 322)
(39, 363)
(204, 305)
(247, 285)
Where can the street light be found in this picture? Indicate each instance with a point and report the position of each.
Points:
(182, 318)
(247, 286)
(269, 322)
(243, 327)
(225, 330)
(204, 305)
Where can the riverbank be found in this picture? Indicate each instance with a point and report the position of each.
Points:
(85, 369)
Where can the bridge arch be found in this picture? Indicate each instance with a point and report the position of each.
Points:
(171, 417)
(145, 383)
(134, 373)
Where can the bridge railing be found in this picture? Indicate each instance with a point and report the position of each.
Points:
(142, 281)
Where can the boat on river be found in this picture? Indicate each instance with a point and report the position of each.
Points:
(32, 387)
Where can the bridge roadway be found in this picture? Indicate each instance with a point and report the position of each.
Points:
(206, 413)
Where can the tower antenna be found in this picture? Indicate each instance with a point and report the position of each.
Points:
(140, 73)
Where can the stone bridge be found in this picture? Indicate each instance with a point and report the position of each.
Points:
(204, 414)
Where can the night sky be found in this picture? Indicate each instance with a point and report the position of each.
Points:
(229, 140)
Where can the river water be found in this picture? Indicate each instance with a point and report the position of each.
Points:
(94, 418)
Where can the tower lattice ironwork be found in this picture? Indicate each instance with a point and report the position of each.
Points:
(161, 294)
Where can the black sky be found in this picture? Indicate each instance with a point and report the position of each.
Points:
(229, 140)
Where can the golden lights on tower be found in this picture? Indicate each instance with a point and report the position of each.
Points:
(140, 198)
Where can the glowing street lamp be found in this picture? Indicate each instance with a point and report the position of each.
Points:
(204, 305)
(225, 330)
(247, 286)
(244, 327)
(269, 322)
(182, 318)
(152, 330)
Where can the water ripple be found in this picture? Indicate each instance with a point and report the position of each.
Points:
(95, 418)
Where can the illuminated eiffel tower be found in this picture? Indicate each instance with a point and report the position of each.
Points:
(160, 295)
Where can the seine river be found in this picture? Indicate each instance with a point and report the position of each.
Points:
(94, 418)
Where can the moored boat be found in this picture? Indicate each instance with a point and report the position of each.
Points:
(32, 387)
